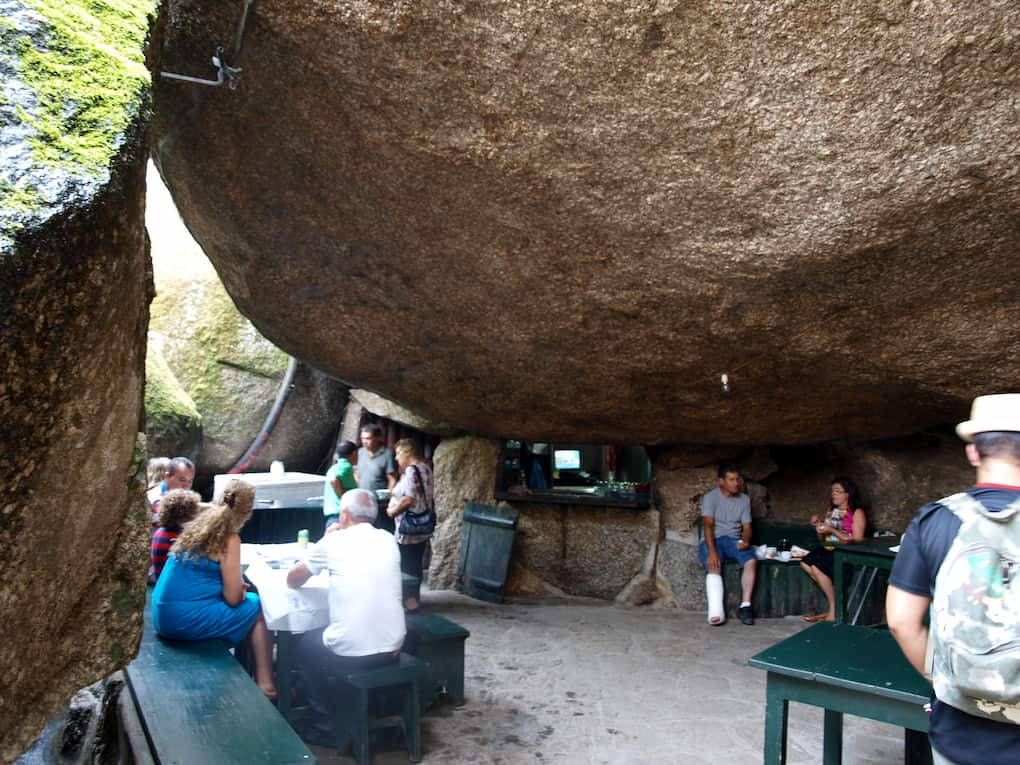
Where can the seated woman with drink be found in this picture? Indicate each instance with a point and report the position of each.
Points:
(201, 594)
(844, 523)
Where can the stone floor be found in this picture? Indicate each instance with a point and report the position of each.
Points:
(580, 681)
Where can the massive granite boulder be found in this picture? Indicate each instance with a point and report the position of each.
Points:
(564, 220)
(212, 379)
(74, 295)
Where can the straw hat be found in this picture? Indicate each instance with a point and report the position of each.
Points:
(988, 413)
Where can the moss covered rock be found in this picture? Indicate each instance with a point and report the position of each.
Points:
(232, 375)
(173, 426)
(226, 369)
(74, 295)
(70, 67)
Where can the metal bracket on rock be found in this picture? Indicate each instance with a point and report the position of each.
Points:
(224, 72)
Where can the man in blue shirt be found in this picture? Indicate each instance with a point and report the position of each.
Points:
(957, 737)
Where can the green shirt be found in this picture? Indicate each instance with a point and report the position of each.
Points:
(342, 470)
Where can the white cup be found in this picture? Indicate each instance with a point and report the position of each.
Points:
(276, 469)
(770, 552)
(785, 556)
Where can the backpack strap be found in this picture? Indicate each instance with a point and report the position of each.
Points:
(421, 489)
(967, 508)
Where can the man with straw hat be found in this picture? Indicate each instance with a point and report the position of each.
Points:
(961, 557)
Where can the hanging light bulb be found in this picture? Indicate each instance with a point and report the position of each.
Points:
(725, 380)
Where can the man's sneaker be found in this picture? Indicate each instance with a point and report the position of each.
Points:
(745, 615)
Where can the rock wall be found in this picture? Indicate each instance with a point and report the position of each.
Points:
(74, 297)
(75, 286)
(643, 557)
(579, 215)
(593, 552)
(465, 470)
(896, 477)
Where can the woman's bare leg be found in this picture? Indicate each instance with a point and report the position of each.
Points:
(261, 641)
(825, 585)
(827, 590)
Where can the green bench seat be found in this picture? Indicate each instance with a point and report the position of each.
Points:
(440, 643)
(781, 589)
(370, 696)
(198, 706)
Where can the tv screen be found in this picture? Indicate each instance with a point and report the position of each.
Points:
(567, 459)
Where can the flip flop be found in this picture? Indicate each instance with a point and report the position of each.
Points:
(814, 618)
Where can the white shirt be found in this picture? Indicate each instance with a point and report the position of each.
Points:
(366, 615)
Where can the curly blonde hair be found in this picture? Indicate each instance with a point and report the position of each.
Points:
(209, 533)
(177, 507)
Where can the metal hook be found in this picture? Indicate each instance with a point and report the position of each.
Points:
(224, 72)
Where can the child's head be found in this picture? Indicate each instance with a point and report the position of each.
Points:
(178, 506)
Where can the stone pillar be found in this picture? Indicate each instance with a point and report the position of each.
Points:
(465, 469)
(679, 492)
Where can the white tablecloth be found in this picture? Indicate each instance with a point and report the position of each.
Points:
(284, 608)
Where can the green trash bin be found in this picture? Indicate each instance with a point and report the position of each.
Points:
(486, 541)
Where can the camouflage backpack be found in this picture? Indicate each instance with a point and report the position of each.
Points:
(974, 642)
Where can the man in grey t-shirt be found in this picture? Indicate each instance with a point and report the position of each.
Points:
(726, 520)
(376, 468)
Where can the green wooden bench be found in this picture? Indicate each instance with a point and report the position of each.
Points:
(845, 670)
(440, 643)
(372, 695)
(197, 705)
(781, 589)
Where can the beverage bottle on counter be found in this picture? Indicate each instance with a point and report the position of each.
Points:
(302, 538)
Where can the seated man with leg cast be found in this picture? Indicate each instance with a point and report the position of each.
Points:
(366, 616)
(726, 521)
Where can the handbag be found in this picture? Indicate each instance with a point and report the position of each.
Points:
(418, 524)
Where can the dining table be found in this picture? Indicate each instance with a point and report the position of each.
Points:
(290, 612)
(869, 557)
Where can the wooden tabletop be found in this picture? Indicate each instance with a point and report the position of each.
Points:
(872, 546)
(846, 656)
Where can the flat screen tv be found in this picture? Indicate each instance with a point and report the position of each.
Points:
(567, 459)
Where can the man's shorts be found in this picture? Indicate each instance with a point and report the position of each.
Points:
(727, 549)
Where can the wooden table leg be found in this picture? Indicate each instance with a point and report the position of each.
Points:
(286, 643)
(916, 748)
(833, 738)
(776, 716)
(837, 584)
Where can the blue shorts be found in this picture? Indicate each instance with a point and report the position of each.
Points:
(727, 549)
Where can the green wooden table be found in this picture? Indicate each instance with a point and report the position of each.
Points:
(845, 670)
(872, 556)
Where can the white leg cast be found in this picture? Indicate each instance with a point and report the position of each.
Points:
(714, 589)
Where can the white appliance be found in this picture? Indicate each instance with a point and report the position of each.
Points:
(272, 490)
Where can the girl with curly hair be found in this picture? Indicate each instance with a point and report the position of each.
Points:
(201, 594)
(178, 506)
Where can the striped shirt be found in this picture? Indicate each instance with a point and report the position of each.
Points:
(162, 541)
